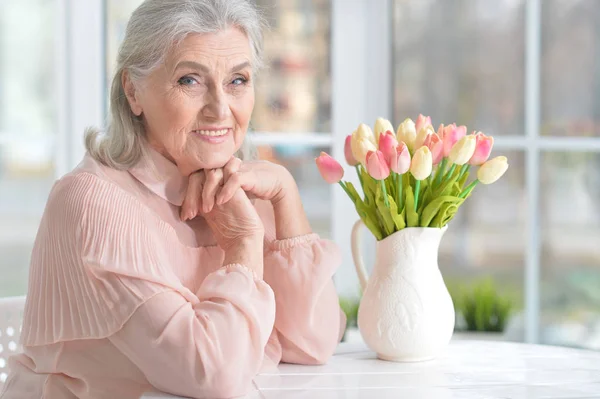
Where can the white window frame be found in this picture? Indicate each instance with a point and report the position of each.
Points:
(361, 68)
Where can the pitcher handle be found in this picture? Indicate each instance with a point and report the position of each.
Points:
(357, 256)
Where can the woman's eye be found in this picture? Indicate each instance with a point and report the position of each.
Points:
(239, 81)
(187, 81)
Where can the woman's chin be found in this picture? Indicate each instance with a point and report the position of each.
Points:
(211, 161)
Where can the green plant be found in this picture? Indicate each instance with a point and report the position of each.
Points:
(482, 308)
(350, 308)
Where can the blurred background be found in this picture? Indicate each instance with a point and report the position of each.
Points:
(525, 71)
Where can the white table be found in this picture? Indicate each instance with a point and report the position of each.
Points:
(467, 369)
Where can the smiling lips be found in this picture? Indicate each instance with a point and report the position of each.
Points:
(212, 135)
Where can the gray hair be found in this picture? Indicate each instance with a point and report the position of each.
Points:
(153, 29)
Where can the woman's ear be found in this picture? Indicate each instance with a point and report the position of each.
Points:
(131, 93)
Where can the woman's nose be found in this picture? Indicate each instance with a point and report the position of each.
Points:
(216, 106)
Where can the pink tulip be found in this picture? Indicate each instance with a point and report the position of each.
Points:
(400, 163)
(330, 169)
(451, 136)
(377, 167)
(387, 145)
(436, 145)
(422, 122)
(348, 152)
(440, 131)
(443, 131)
(483, 149)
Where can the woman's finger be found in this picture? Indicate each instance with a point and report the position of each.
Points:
(190, 205)
(231, 185)
(214, 179)
(231, 167)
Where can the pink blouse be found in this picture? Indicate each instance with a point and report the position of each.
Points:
(124, 298)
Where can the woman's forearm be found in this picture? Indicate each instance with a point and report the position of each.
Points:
(290, 218)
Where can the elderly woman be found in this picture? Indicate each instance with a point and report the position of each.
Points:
(163, 261)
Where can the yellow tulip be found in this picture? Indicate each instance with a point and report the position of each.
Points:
(422, 163)
(423, 135)
(463, 150)
(492, 170)
(407, 133)
(381, 126)
(364, 132)
(362, 142)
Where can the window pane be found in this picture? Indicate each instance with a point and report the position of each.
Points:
(460, 61)
(293, 92)
(570, 81)
(28, 120)
(117, 16)
(315, 193)
(570, 290)
(487, 239)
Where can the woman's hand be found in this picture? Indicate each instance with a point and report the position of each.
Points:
(235, 224)
(259, 179)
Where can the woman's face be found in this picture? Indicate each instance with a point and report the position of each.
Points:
(197, 106)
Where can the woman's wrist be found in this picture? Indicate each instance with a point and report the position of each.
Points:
(290, 218)
(287, 185)
(247, 251)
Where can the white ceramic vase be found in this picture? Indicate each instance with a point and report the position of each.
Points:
(406, 313)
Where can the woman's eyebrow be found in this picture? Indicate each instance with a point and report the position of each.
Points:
(192, 65)
(204, 68)
(240, 66)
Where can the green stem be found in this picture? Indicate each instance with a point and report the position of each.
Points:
(464, 169)
(362, 185)
(449, 174)
(399, 192)
(341, 183)
(440, 171)
(417, 188)
(468, 189)
(385, 198)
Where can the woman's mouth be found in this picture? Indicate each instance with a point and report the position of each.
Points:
(214, 136)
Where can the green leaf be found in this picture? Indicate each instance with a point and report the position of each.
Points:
(446, 213)
(412, 217)
(368, 219)
(447, 187)
(398, 217)
(384, 212)
(463, 180)
(425, 196)
(370, 186)
(389, 185)
(353, 191)
(434, 207)
(402, 217)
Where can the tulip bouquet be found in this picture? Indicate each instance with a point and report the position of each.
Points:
(416, 177)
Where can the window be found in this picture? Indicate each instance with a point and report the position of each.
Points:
(570, 182)
(477, 62)
(28, 131)
(525, 71)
